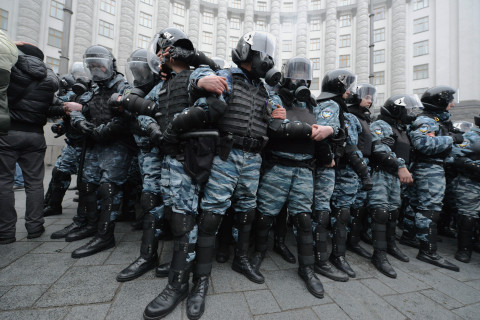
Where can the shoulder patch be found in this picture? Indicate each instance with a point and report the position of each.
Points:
(378, 131)
(436, 119)
(464, 144)
(327, 113)
(424, 128)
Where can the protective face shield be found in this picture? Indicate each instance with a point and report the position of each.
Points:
(152, 59)
(137, 70)
(366, 95)
(78, 70)
(298, 74)
(465, 126)
(99, 67)
(402, 107)
(222, 63)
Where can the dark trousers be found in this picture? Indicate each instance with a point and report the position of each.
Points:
(28, 149)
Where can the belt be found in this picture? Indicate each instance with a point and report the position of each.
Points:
(248, 144)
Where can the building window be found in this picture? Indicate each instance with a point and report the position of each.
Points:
(145, 20)
(380, 99)
(55, 38)
(343, 2)
(236, 4)
(143, 41)
(108, 6)
(233, 42)
(287, 6)
(315, 4)
(420, 91)
(420, 72)
(345, 40)
(420, 48)
(419, 4)
(344, 61)
(379, 14)
(315, 84)
(105, 29)
(56, 10)
(315, 44)
(420, 25)
(53, 63)
(379, 56)
(235, 23)
(178, 9)
(345, 20)
(379, 35)
(315, 25)
(379, 78)
(3, 19)
(207, 38)
(149, 2)
(287, 46)
(261, 25)
(178, 26)
(208, 18)
(261, 5)
(316, 63)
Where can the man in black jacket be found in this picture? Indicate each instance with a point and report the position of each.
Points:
(30, 94)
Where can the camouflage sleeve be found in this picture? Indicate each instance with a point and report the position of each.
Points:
(76, 117)
(429, 145)
(354, 128)
(327, 114)
(379, 130)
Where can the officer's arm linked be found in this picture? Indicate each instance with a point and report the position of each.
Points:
(134, 102)
(359, 166)
(465, 164)
(110, 130)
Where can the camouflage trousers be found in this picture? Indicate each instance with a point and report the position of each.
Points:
(385, 192)
(282, 184)
(346, 186)
(361, 196)
(69, 159)
(324, 185)
(467, 195)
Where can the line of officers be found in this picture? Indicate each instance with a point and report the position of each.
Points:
(248, 144)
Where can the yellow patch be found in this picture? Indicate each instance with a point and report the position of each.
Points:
(436, 119)
(378, 131)
(424, 128)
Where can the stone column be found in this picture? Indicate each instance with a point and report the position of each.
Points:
(163, 15)
(194, 22)
(275, 27)
(126, 40)
(362, 43)
(29, 19)
(397, 72)
(222, 26)
(83, 28)
(248, 24)
(331, 27)
(302, 27)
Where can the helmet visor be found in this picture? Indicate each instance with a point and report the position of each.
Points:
(138, 71)
(78, 70)
(368, 93)
(98, 67)
(411, 102)
(464, 126)
(261, 41)
(298, 69)
(350, 82)
(152, 58)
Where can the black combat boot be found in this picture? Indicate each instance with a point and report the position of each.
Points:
(341, 215)
(60, 234)
(303, 223)
(379, 233)
(56, 191)
(465, 238)
(409, 235)
(241, 263)
(322, 265)
(104, 239)
(356, 227)
(280, 229)
(263, 224)
(224, 238)
(148, 253)
(445, 221)
(428, 249)
(392, 248)
(196, 298)
(86, 213)
(162, 270)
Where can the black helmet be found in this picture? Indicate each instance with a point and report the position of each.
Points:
(137, 69)
(297, 77)
(337, 82)
(438, 98)
(401, 107)
(168, 37)
(99, 63)
(66, 81)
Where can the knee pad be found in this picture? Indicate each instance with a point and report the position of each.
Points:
(149, 201)
(87, 187)
(108, 190)
(209, 223)
(59, 175)
(244, 218)
(380, 215)
(303, 222)
(342, 215)
(322, 218)
(263, 222)
(181, 224)
(393, 215)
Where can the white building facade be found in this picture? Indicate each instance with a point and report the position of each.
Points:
(417, 43)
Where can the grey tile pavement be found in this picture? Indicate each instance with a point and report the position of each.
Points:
(39, 280)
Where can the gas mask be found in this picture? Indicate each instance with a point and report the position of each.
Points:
(299, 89)
(263, 67)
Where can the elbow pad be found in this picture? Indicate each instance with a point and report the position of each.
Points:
(193, 118)
(385, 160)
(138, 105)
(297, 130)
(216, 108)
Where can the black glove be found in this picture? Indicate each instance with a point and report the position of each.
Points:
(389, 141)
(170, 136)
(155, 133)
(85, 127)
(58, 128)
(367, 183)
(457, 137)
(110, 130)
(115, 105)
(178, 53)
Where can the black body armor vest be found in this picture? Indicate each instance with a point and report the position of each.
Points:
(402, 146)
(365, 137)
(173, 97)
(284, 144)
(99, 110)
(247, 112)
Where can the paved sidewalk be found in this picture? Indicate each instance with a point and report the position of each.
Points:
(39, 280)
